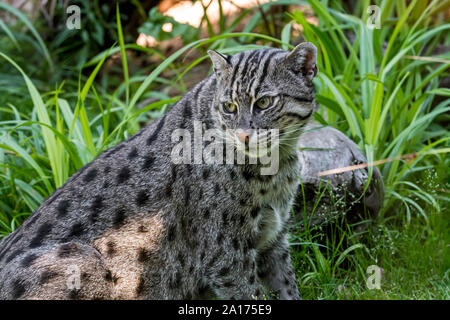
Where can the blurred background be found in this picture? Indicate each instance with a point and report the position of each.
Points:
(77, 77)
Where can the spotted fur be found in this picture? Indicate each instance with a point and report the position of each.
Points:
(138, 226)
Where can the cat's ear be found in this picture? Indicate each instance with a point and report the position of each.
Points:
(303, 59)
(220, 61)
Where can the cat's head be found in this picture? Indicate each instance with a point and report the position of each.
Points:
(265, 89)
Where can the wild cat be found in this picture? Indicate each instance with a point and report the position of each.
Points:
(132, 224)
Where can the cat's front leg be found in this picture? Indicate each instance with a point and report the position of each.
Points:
(235, 278)
(276, 272)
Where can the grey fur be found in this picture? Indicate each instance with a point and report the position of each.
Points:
(140, 227)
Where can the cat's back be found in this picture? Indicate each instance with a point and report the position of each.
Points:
(97, 197)
(112, 215)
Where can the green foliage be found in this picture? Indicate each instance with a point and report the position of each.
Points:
(30, 26)
(383, 101)
(414, 261)
(154, 27)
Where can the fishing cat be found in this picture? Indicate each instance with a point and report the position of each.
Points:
(132, 224)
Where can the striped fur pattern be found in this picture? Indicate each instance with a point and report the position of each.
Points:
(251, 76)
(133, 225)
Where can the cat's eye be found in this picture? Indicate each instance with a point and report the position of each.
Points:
(263, 103)
(229, 107)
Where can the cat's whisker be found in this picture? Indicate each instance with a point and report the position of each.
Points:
(293, 125)
(132, 214)
(298, 130)
(287, 138)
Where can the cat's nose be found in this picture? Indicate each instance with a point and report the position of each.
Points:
(243, 135)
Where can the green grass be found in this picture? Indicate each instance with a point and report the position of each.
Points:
(413, 259)
(414, 256)
(384, 101)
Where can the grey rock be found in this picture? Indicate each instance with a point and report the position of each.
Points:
(334, 196)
